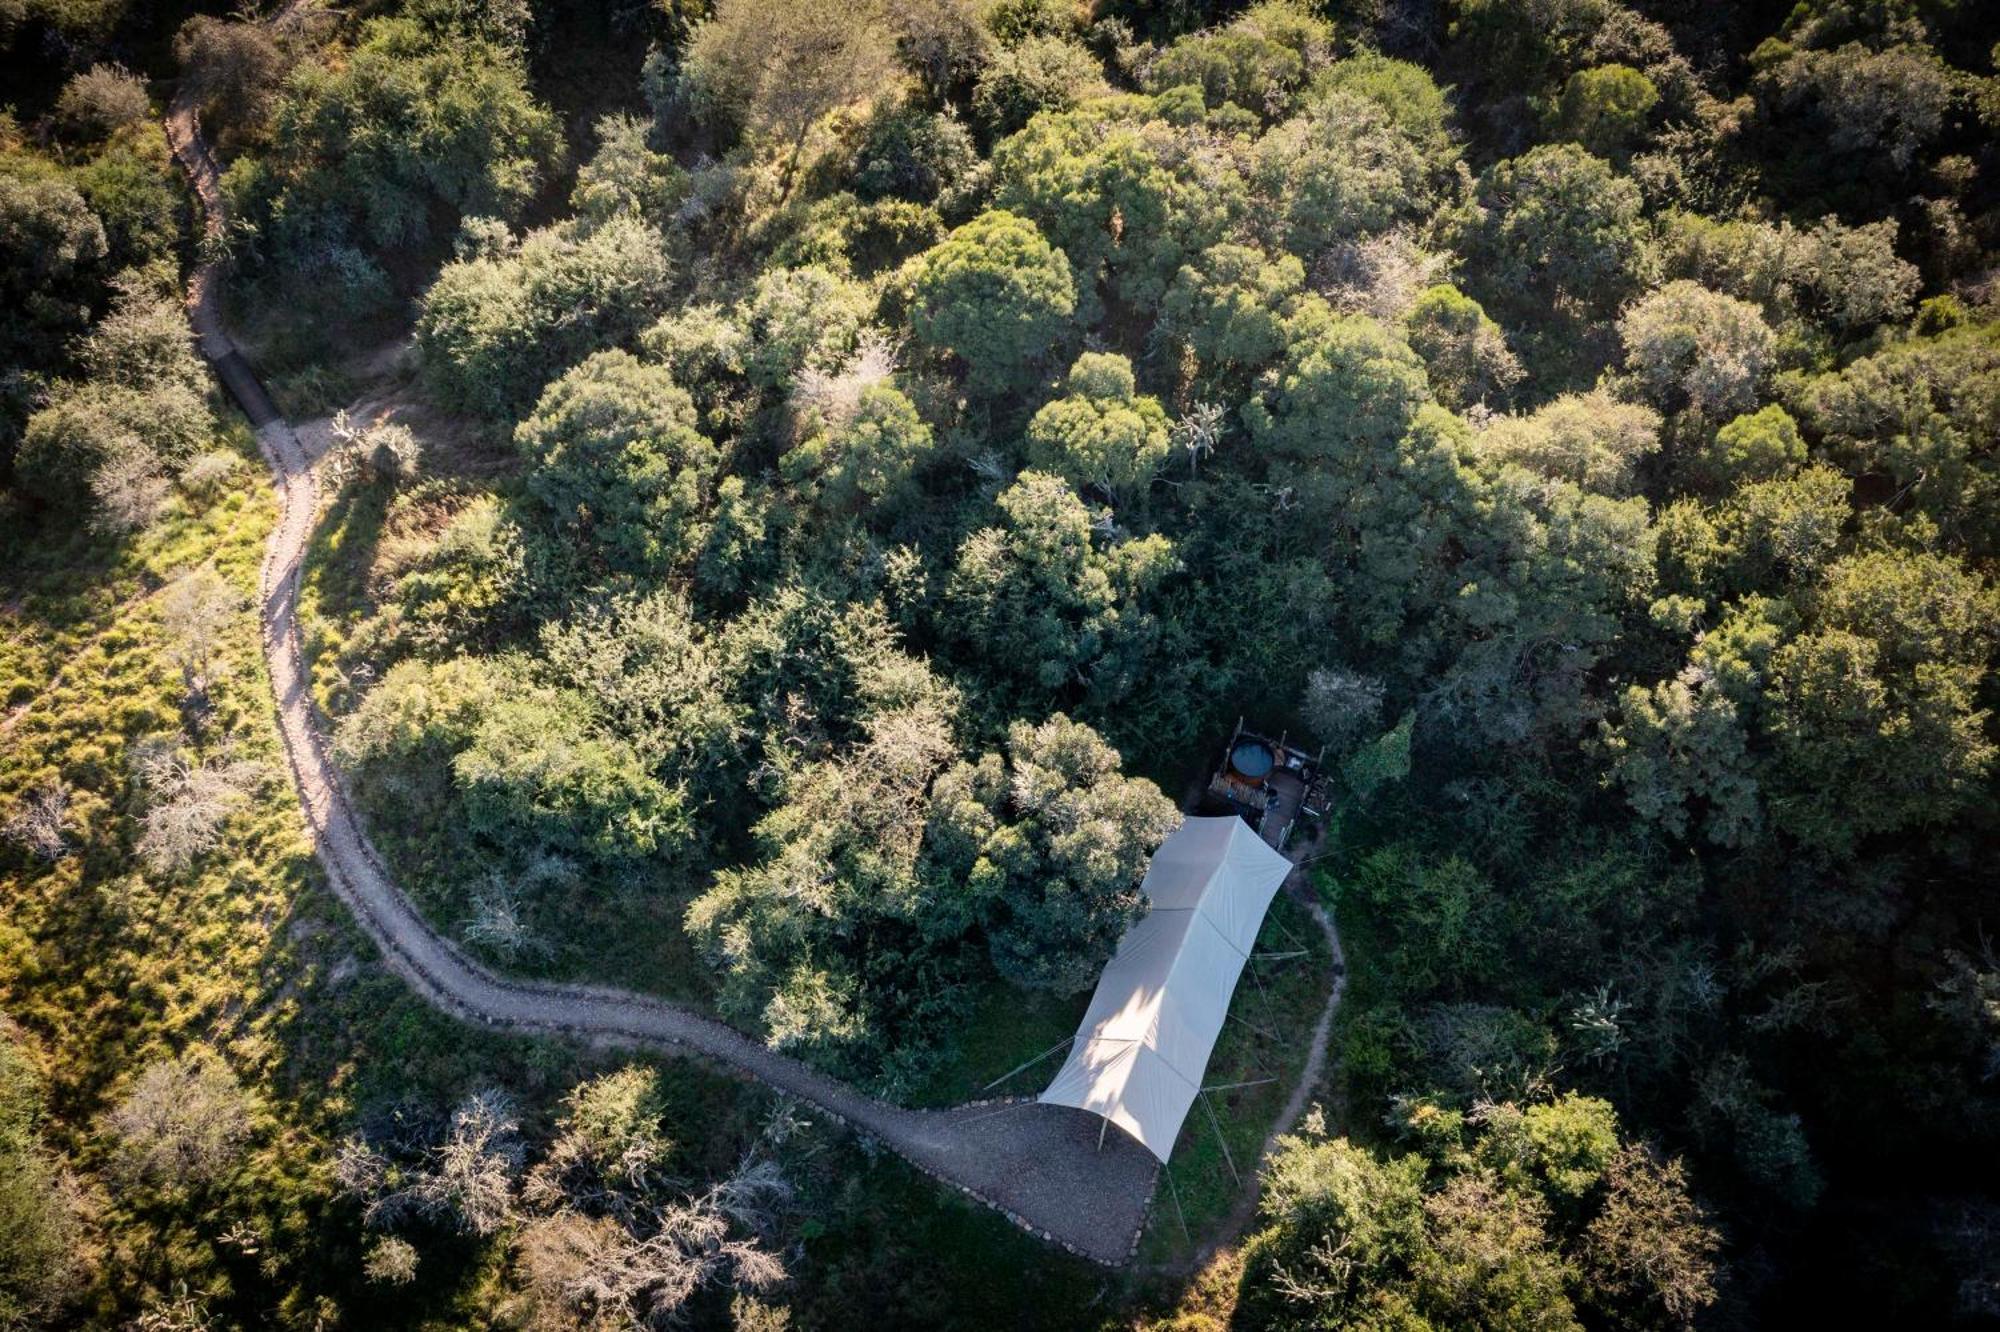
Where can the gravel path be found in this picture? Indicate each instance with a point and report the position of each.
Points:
(1041, 1165)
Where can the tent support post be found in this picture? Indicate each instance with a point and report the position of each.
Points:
(1253, 1026)
(1022, 1068)
(1217, 1125)
(1270, 1005)
(1102, 1128)
(1173, 1191)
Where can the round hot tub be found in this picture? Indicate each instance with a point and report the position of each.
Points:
(1252, 760)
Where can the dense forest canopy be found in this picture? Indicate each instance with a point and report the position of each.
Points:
(854, 461)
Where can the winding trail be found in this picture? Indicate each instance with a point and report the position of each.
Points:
(1042, 1166)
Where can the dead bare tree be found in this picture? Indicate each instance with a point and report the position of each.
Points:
(184, 1121)
(191, 798)
(39, 821)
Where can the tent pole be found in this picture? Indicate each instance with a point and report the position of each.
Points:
(1270, 1005)
(1022, 1068)
(1232, 1086)
(1217, 1125)
(1253, 1026)
(1173, 1191)
(1102, 1127)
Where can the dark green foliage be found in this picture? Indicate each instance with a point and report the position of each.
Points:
(454, 133)
(936, 412)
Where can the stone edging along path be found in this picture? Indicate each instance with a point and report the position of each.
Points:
(1041, 1166)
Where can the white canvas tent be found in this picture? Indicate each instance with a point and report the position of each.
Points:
(1144, 1044)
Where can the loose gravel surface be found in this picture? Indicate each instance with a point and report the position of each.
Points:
(1041, 1165)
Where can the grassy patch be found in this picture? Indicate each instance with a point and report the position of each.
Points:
(1006, 1027)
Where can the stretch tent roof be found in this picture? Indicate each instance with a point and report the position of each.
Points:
(1144, 1044)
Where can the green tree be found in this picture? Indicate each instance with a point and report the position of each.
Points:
(456, 134)
(1340, 1230)
(1589, 439)
(51, 248)
(1052, 601)
(1559, 229)
(1041, 73)
(1343, 169)
(1050, 844)
(777, 66)
(997, 296)
(617, 461)
(1464, 352)
(506, 318)
(1605, 108)
(1119, 194)
(860, 461)
(1696, 350)
(1649, 1256)
(1756, 446)
(41, 1232)
(1487, 1260)
(1104, 433)
(1229, 306)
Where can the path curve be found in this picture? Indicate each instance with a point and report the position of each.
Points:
(1045, 1167)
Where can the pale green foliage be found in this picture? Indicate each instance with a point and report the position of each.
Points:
(1316, 1190)
(1348, 385)
(617, 461)
(1649, 1257)
(143, 406)
(1488, 1261)
(1383, 760)
(1924, 412)
(777, 66)
(1041, 73)
(1589, 439)
(41, 1231)
(839, 865)
(1881, 104)
(50, 244)
(99, 102)
(1849, 276)
(1104, 432)
(1875, 713)
(182, 1123)
(626, 178)
(1346, 168)
(1756, 446)
(1562, 1146)
(1606, 107)
(801, 319)
(997, 296)
(1559, 224)
(535, 774)
(1416, 105)
(1260, 62)
(459, 132)
(1696, 350)
(496, 326)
